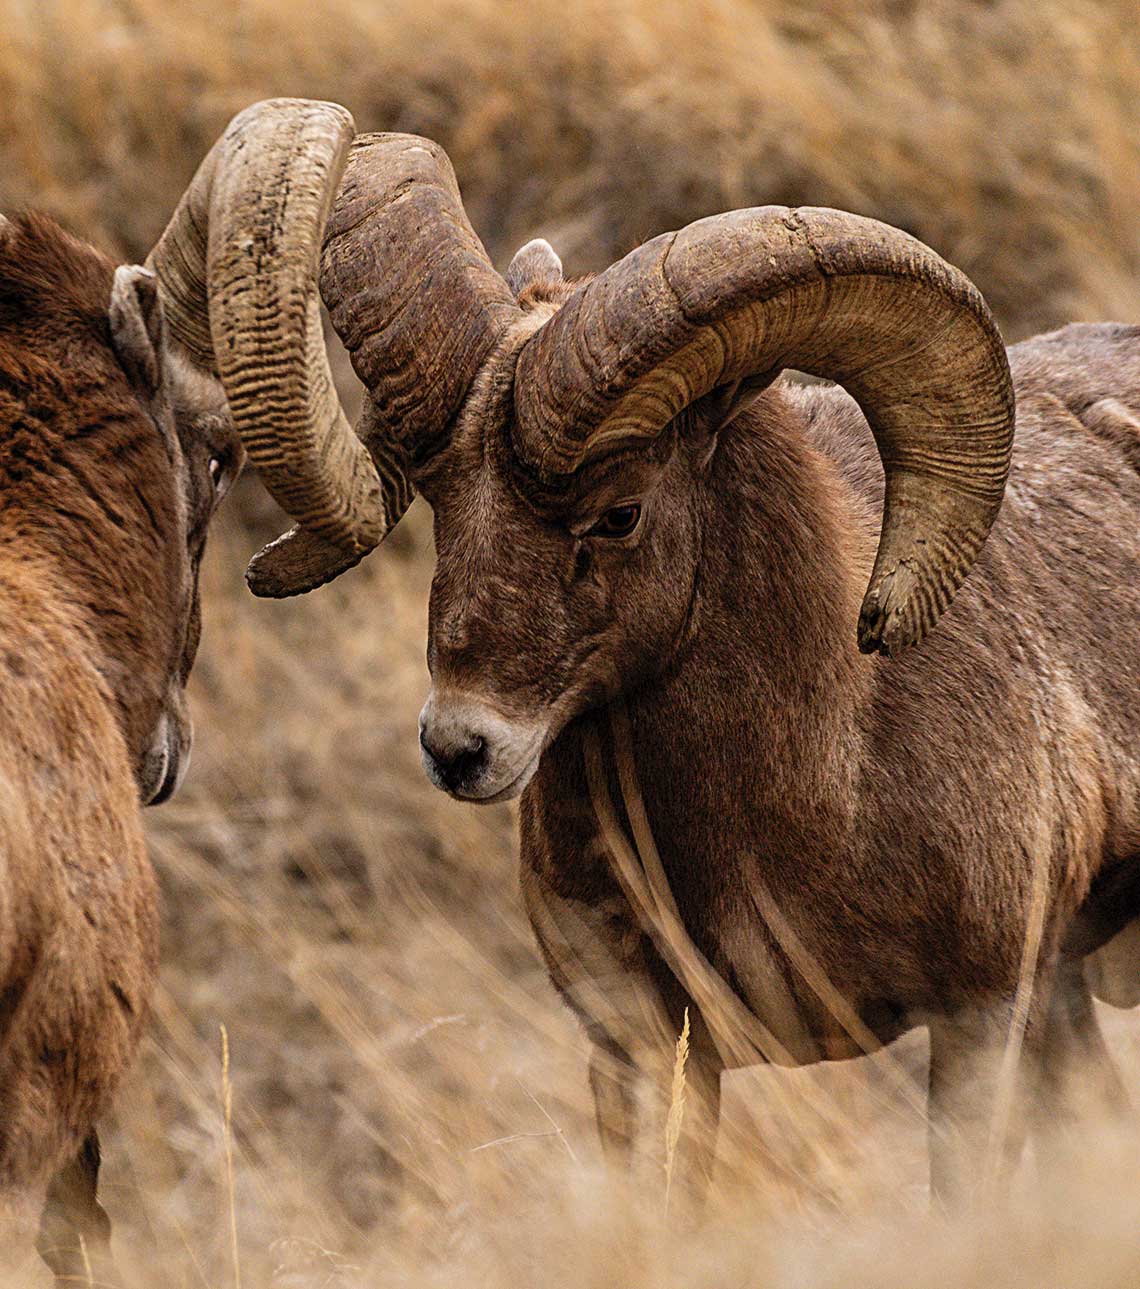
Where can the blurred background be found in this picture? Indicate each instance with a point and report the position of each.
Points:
(409, 1098)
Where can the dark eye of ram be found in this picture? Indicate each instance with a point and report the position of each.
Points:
(618, 521)
(217, 468)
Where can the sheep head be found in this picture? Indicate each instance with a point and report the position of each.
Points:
(557, 432)
(223, 328)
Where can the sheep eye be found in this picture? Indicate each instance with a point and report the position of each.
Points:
(217, 468)
(618, 521)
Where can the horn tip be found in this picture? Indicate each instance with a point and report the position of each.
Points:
(873, 641)
(887, 627)
(297, 562)
(870, 632)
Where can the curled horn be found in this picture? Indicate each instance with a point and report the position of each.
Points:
(409, 287)
(237, 272)
(746, 294)
(413, 296)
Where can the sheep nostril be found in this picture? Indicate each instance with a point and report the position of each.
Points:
(465, 764)
(455, 766)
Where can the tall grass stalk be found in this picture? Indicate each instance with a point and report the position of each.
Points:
(675, 1119)
(88, 1271)
(228, 1132)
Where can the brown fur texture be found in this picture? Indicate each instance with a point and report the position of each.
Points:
(105, 491)
(829, 825)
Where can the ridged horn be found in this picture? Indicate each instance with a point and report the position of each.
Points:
(843, 297)
(237, 271)
(410, 289)
(415, 300)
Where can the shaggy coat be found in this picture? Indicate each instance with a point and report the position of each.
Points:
(106, 488)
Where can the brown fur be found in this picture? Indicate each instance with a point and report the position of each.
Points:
(892, 812)
(100, 537)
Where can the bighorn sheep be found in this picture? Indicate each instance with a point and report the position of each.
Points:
(116, 443)
(650, 553)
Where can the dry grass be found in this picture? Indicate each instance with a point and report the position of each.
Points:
(676, 1115)
(1004, 133)
(409, 1104)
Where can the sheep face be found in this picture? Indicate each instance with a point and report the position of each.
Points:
(546, 602)
(203, 455)
(210, 457)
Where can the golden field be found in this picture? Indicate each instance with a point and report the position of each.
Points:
(409, 1101)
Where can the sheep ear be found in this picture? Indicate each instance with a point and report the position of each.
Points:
(721, 406)
(138, 328)
(535, 264)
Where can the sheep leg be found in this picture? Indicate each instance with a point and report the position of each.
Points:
(33, 1141)
(75, 1231)
(632, 1009)
(966, 1053)
(614, 1081)
(17, 1234)
(1076, 1070)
